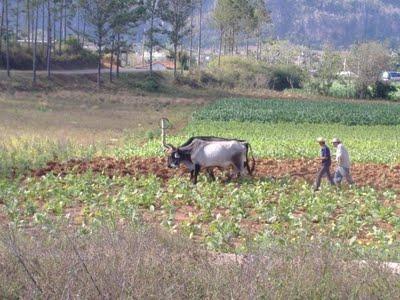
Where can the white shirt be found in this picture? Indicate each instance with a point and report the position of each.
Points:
(342, 156)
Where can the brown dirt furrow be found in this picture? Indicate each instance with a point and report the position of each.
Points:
(379, 176)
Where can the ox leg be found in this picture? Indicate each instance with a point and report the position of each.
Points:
(191, 175)
(211, 174)
(237, 164)
(196, 173)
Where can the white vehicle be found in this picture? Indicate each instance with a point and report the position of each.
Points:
(391, 76)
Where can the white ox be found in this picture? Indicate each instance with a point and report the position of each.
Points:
(210, 152)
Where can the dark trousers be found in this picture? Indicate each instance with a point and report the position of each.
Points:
(325, 170)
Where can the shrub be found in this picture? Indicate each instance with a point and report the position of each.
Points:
(21, 58)
(286, 77)
(150, 84)
(208, 78)
(187, 80)
(241, 72)
(382, 90)
(394, 95)
(73, 56)
(341, 89)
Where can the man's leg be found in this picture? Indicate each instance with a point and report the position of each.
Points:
(338, 176)
(320, 174)
(349, 179)
(329, 175)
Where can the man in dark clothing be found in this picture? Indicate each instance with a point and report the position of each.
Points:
(325, 164)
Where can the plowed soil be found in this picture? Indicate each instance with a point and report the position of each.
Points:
(379, 176)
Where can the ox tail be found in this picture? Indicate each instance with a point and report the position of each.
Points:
(247, 164)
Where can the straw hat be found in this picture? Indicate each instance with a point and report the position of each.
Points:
(335, 140)
(321, 140)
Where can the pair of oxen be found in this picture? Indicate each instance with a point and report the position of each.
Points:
(209, 152)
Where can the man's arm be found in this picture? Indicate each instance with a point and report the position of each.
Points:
(339, 155)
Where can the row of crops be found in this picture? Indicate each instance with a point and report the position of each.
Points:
(222, 216)
(301, 111)
(377, 144)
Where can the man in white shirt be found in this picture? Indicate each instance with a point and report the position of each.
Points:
(343, 163)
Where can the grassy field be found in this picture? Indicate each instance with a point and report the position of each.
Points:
(264, 214)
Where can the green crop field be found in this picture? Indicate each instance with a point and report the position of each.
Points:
(301, 111)
(223, 216)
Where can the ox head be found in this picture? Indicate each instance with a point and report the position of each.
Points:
(174, 156)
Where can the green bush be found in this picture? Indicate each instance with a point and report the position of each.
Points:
(341, 89)
(286, 77)
(382, 90)
(236, 71)
(395, 94)
(150, 84)
(72, 56)
(21, 58)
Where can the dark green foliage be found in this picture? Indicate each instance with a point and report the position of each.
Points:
(150, 84)
(383, 90)
(286, 77)
(72, 56)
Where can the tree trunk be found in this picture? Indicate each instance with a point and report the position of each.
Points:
(111, 59)
(118, 52)
(49, 42)
(65, 21)
(17, 22)
(143, 43)
(83, 32)
(99, 46)
(32, 22)
(220, 46)
(43, 25)
(247, 45)
(191, 39)
(2, 26)
(233, 40)
(181, 59)
(175, 56)
(258, 44)
(7, 40)
(61, 27)
(200, 32)
(35, 43)
(151, 37)
(54, 31)
(28, 23)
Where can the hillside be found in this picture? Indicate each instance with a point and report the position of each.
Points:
(337, 22)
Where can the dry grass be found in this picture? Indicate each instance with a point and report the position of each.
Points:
(149, 264)
(88, 118)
